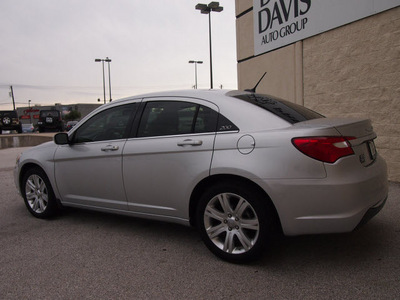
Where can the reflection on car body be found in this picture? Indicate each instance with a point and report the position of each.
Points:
(28, 128)
(70, 125)
(237, 165)
(9, 121)
(50, 120)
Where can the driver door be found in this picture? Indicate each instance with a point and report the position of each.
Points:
(88, 172)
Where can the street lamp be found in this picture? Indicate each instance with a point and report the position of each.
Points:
(30, 112)
(109, 76)
(195, 62)
(207, 9)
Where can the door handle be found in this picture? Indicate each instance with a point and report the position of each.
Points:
(190, 143)
(110, 148)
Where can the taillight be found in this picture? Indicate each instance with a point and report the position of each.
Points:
(326, 149)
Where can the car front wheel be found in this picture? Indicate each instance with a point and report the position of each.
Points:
(234, 222)
(38, 194)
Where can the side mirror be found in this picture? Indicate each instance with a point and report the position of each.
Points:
(61, 138)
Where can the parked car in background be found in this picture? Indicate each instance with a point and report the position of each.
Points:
(50, 120)
(239, 166)
(27, 128)
(9, 121)
(70, 125)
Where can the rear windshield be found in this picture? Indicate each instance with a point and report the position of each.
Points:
(10, 113)
(50, 113)
(290, 112)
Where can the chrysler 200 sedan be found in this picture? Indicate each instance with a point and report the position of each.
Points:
(239, 166)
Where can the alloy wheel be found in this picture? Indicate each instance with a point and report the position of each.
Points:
(36, 193)
(231, 223)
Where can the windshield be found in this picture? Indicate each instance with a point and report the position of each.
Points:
(49, 113)
(290, 112)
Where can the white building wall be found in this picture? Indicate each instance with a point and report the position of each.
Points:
(350, 71)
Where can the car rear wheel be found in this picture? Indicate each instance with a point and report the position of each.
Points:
(38, 194)
(234, 222)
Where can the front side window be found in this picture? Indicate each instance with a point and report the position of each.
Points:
(110, 124)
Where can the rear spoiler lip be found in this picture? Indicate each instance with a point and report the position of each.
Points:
(360, 129)
(330, 122)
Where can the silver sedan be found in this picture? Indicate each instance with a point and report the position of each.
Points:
(239, 166)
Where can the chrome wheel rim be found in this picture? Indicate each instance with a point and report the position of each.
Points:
(36, 193)
(7, 121)
(231, 223)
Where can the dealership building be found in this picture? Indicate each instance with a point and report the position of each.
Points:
(31, 114)
(339, 58)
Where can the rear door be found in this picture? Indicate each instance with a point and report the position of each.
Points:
(171, 151)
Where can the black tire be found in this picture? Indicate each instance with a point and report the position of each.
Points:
(38, 194)
(235, 221)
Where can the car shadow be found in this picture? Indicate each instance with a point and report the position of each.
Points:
(123, 223)
(362, 245)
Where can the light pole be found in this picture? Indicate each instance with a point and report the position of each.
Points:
(30, 112)
(207, 9)
(109, 76)
(195, 62)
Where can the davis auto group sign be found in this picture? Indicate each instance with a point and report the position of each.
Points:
(281, 22)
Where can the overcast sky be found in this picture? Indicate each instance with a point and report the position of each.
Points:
(48, 47)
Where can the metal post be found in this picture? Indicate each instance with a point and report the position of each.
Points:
(195, 75)
(104, 83)
(207, 9)
(104, 77)
(209, 34)
(195, 62)
(12, 96)
(109, 76)
(30, 112)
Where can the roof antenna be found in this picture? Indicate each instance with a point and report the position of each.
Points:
(253, 90)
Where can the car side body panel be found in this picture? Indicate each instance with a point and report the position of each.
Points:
(160, 172)
(159, 175)
(90, 175)
(42, 156)
(333, 204)
(154, 177)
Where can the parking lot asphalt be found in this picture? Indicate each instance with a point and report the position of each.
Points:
(89, 255)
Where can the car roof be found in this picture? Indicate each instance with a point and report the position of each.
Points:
(7, 111)
(238, 111)
(192, 93)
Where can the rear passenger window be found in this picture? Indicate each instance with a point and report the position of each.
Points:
(206, 120)
(167, 118)
(161, 118)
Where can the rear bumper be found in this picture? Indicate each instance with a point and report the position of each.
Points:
(373, 211)
(348, 197)
(13, 127)
(50, 126)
